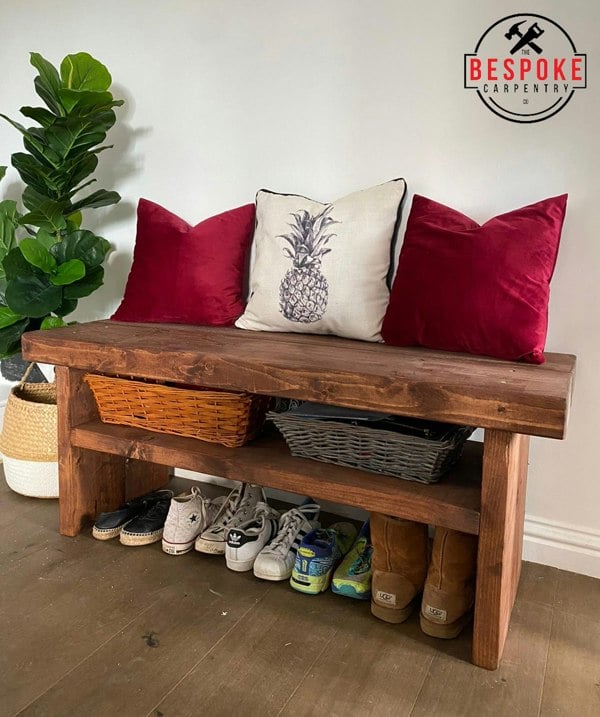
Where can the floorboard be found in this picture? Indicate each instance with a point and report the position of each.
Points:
(91, 628)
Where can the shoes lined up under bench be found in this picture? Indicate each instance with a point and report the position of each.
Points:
(388, 560)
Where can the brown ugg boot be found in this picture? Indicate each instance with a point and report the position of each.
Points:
(450, 586)
(399, 566)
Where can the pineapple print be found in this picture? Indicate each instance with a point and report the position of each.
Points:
(303, 291)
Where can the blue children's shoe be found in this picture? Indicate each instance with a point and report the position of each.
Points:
(317, 556)
(353, 577)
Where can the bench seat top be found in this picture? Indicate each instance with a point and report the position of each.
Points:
(416, 382)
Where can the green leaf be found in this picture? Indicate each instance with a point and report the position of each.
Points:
(84, 102)
(83, 245)
(46, 238)
(81, 169)
(33, 296)
(48, 83)
(83, 72)
(10, 338)
(9, 221)
(74, 221)
(8, 317)
(15, 265)
(2, 172)
(49, 216)
(67, 306)
(69, 272)
(37, 255)
(70, 136)
(39, 115)
(35, 174)
(32, 199)
(52, 322)
(84, 287)
(100, 198)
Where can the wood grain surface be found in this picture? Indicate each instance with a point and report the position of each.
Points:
(452, 503)
(406, 381)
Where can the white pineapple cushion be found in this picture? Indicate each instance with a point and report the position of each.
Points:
(323, 268)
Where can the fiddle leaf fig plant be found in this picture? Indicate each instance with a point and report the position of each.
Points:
(47, 261)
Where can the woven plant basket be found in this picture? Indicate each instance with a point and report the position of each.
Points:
(29, 440)
(229, 418)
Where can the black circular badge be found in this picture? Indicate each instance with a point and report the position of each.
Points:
(525, 68)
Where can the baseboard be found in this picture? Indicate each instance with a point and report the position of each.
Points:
(547, 542)
(562, 545)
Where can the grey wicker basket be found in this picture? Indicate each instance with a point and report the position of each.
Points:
(409, 457)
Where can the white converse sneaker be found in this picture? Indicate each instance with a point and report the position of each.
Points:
(244, 543)
(189, 514)
(276, 560)
(238, 508)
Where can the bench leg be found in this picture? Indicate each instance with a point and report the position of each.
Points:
(91, 482)
(500, 542)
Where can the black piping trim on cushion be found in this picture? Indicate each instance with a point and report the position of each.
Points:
(394, 241)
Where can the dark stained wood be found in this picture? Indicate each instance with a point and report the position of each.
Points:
(407, 381)
(453, 688)
(285, 640)
(500, 542)
(452, 503)
(73, 613)
(91, 482)
(572, 684)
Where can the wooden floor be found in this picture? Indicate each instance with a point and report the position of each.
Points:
(98, 629)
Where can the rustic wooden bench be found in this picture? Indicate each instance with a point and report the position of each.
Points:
(101, 464)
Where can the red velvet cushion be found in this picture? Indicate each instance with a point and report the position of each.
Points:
(476, 289)
(184, 274)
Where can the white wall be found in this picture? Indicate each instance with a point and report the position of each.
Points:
(326, 97)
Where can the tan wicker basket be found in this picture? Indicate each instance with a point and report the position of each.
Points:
(229, 418)
(30, 424)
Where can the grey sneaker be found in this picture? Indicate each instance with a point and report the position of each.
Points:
(276, 560)
(239, 507)
(189, 514)
(244, 543)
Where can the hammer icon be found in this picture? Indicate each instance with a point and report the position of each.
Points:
(525, 39)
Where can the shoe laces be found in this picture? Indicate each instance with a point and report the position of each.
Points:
(289, 525)
(362, 562)
(227, 511)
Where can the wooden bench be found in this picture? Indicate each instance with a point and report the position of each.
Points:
(101, 464)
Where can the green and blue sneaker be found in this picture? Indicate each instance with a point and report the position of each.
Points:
(317, 556)
(353, 576)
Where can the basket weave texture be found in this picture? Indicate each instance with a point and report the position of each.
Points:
(229, 418)
(377, 451)
(30, 431)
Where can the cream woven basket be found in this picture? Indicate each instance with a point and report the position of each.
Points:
(29, 441)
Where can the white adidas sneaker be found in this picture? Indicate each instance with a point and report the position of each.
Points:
(244, 543)
(276, 560)
(189, 514)
(239, 507)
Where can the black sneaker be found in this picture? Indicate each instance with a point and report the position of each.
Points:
(109, 525)
(148, 526)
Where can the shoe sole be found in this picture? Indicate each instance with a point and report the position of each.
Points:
(350, 591)
(394, 615)
(445, 632)
(239, 566)
(106, 533)
(176, 548)
(210, 547)
(269, 576)
(315, 587)
(140, 539)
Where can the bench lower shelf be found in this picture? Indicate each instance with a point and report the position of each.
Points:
(452, 503)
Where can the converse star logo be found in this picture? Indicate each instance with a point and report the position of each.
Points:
(193, 518)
